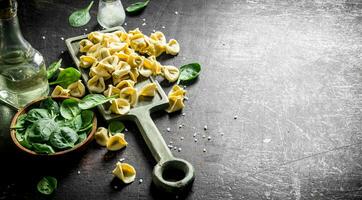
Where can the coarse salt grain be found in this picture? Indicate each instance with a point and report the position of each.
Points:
(43, 37)
(182, 138)
(126, 129)
(170, 146)
(209, 138)
(205, 127)
(195, 134)
(235, 117)
(125, 23)
(140, 181)
(78, 172)
(153, 30)
(174, 148)
(203, 136)
(171, 142)
(144, 19)
(222, 134)
(85, 29)
(180, 126)
(62, 38)
(204, 150)
(176, 13)
(168, 129)
(179, 149)
(115, 187)
(195, 139)
(183, 114)
(163, 27)
(143, 24)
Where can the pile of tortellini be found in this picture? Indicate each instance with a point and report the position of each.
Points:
(117, 60)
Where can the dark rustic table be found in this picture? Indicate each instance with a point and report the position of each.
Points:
(289, 70)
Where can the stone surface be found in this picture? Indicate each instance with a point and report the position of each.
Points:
(290, 71)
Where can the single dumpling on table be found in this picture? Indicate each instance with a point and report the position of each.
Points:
(116, 142)
(59, 91)
(125, 172)
(77, 89)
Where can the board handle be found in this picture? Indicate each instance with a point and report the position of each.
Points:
(173, 175)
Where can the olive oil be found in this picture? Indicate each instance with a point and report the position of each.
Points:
(23, 75)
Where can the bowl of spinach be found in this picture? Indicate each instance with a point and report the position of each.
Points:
(53, 126)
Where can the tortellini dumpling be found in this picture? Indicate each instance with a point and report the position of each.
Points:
(96, 84)
(170, 72)
(95, 37)
(116, 142)
(121, 74)
(130, 94)
(77, 89)
(125, 172)
(112, 91)
(84, 45)
(159, 36)
(87, 61)
(59, 91)
(148, 90)
(109, 63)
(176, 97)
(124, 84)
(120, 106)
(172, 47)
(151, 63)
(101, 136)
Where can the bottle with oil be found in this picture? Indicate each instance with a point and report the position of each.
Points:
(22, 69)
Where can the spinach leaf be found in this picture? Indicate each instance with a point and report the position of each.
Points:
(53, 68)
(87, 128)
(22, 137)
(82, 137)
(69, 108)
(93, 100)
(51, 106)
(75, 123)
(37, 113)
(80, 17)
(64, 139)
(67, 77)
(47, 185)
(20, 122)
(189, 72)
(115, 127)
(135, 7)
(42, 148)
(87, 118)
(41, 130)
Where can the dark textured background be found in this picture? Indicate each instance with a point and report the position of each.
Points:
(290, 70)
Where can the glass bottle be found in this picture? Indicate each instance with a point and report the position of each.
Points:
(110, 13)
(22, 69)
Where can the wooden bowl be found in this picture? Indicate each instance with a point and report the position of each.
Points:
(36, 103)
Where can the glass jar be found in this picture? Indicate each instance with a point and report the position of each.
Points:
(110, 13)
(22, 68)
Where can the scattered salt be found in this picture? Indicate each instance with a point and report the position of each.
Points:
(168, 129)
(143, 24)
(125, 23)
(43, 37)
(183, 114)
(205, 127)
(195, 139)
(209, 138)
(179, 149)
(267, 140)
(176, 13)
(144, 19)
(204, 150)
(182, 138)
(195, 134)
(163, 27)
(121, 159)
(62, 38)
(78, 172)
(140, 181)
(180, 126)
(235, 117)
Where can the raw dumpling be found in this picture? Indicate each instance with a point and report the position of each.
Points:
(124, 84)
(109, 63)
(101, 136)
(134, 74)
(95, 37)
(60, 92)
(151, 63)
(84, 45)
(112, 91)
(116, 142)
(117, 46)
(125, 172)
(170, 72)
(148, 90)
(158, 36)
(101, 71)
(120, 106)
(176, 97)
(121, 74)
(87, 61)
(130, 94)
(175, 104)
(134, 60)
(172, 47)
(96, 84)
(77, 89)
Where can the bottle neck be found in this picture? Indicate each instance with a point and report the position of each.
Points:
(10, 35)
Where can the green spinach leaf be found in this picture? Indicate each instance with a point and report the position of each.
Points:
(22, 137)
(51, 106)
(87, 118)
(82, 137)
(42, 148)
(93, 100)
(41, 130)
(64, 139)
(80, 17)
(67, 77)
(69, 108)
(37, 113)
(115, 127)
(47, 185)
(20, 122)
(53, 68)
(135, 7)
(189, 72)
